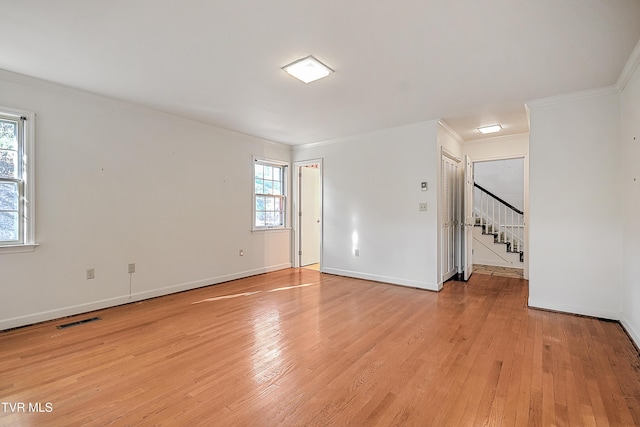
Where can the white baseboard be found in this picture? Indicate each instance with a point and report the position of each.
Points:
(125, 299)
(385, 279)
(585, 311)
(633, 333)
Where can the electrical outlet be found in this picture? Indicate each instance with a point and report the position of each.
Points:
(422, 207)
(241, 252)
(91, 273)
(132, 267)
(356, 252)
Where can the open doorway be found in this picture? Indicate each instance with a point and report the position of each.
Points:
(498, 237)
(308, 215)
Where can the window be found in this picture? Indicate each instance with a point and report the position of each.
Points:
(269, 205)
(16, 178)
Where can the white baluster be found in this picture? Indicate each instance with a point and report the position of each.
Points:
(493, 215)
(500, 237)
(513, 230)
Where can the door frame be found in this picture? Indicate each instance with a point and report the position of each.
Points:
(525, 157)
(467, 203)
(458, 225)
(295, 209)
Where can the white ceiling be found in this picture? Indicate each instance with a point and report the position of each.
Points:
(397, 62)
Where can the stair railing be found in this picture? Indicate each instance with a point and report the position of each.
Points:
(500, 218)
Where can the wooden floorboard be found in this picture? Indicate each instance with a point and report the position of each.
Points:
(301, 348)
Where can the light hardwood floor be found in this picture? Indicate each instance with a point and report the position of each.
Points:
(297, 347)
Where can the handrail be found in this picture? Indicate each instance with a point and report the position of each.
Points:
(507, 204)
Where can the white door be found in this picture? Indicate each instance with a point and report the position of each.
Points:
(309, 215)
(468, 218)
(449, 182)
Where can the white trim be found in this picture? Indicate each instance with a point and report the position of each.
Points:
(629, 69)
(498, 158)
(286, 193)
(458, 230)
(572, 309)
(125, 299)
(634, 334)
(385, 279)
(28, 245)
(574, 96)
(268, 160)
(271, 230)
(452, 133)
(446, 153)
(18, 249)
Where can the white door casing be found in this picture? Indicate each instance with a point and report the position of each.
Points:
(450, 216)
(468, 218)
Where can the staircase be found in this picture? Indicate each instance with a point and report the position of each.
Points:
(498, 232)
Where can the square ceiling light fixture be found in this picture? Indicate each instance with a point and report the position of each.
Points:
(490, 129)
(307, 69)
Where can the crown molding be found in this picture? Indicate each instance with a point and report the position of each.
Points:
(452, 133)
(574, 96)
(629, 68)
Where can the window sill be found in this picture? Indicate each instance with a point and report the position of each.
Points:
(18, 249)
(269, 230)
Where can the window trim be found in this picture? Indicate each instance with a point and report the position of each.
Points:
(26, 152)
(285, 183)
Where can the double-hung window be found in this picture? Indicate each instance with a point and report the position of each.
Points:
(16, 179)
(269, 195)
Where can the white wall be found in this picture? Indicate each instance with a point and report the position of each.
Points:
(575, 215)
(116, 184)
(497, 148)
(630, 316)
(371, 189)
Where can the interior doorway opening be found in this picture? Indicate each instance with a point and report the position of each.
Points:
(497, 235)
(308, 215)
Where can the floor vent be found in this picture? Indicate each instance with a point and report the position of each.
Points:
(79, 322)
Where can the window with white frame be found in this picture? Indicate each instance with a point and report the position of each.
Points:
(269, 194)
(16, 178)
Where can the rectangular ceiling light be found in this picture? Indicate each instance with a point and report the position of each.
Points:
(307, 69)
(490, 129)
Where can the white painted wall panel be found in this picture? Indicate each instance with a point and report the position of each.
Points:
(115, 184)
(575, 232)
(500, 147)
(371, 195)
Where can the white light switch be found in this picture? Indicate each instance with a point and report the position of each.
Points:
(422, 207)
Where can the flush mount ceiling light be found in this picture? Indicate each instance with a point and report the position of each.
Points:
(490, 129)
(307, 69)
